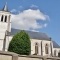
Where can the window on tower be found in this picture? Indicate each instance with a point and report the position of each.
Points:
(5, 18)
(2, 18)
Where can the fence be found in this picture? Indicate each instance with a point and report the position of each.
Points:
(14, 56)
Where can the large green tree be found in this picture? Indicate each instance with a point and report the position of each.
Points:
(20, 43)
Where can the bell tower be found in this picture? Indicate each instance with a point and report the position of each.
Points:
(5, 22)
(5, 25)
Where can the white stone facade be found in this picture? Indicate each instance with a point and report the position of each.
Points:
(40, 51)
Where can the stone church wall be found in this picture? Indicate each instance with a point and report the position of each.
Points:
(44, 42)
(8, 39)
(1, 44)
(57, 50)
(33, 41)
(49, 47)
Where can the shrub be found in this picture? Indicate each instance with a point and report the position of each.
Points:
(20, 43)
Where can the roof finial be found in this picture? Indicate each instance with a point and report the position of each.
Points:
(5, 8)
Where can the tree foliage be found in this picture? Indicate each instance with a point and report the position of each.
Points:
(20, 43)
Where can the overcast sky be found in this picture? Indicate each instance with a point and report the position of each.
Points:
(35, 15)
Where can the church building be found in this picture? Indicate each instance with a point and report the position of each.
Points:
(41, 43)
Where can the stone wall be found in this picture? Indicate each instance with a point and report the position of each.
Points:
(31, 57)
(5, 57)
(27, 58)
(14, 56)
(8, 55)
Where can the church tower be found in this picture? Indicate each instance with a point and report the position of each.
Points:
(5, 25)
(5, 22)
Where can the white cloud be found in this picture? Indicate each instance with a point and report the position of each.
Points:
(34, 30)
(34, 6)
(13, 10)
(45, 25)
(28, 19)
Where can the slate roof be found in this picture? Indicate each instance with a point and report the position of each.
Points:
(35, 35)
(55, 45)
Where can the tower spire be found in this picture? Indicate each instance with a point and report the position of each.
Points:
(5, 8)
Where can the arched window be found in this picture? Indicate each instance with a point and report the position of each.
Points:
(54, 52)
(5, 18)
(2, 18)
(46, 49)
(36, 48)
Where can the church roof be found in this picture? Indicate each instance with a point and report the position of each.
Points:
(33, 35)
(5, 8)
(55, 45)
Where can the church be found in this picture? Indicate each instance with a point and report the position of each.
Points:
(41, 43)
